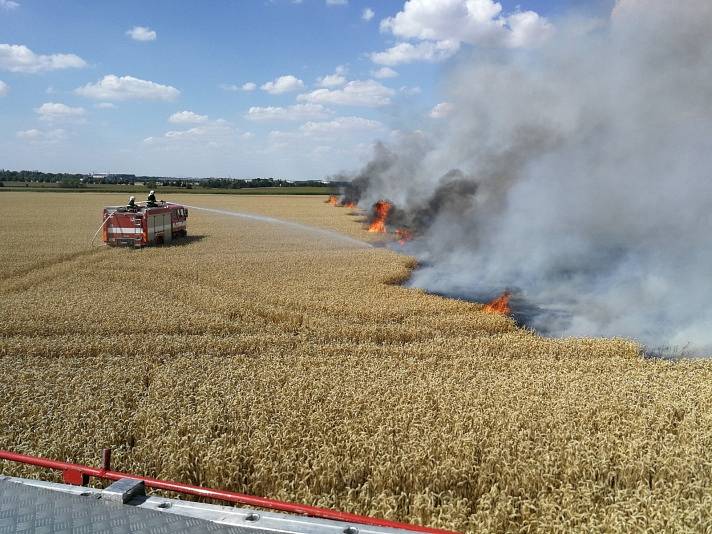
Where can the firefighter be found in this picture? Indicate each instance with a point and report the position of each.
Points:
(151, 201)
(132, 203)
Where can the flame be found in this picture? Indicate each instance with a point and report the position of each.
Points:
(499, 305)
(349, 204)
(381, 210)
(332, 200)
(404, 235)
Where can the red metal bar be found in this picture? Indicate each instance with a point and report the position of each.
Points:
(221, 495)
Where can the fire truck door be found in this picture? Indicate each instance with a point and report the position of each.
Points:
(152, 227)
(167, 228)
(160, 225)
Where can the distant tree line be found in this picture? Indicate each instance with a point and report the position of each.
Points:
(79, 180)
(62, 178)
(236, 183)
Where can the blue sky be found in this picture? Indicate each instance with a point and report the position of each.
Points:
(159, 87)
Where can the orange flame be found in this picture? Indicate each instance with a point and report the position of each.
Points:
(332, 200)
(349, 204)
(499, 305)
(404, 235)
(381, 210)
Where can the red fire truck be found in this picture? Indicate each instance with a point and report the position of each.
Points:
(144, 224)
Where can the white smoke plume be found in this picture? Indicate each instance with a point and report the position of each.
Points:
(590, 166)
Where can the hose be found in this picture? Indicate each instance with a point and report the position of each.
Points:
(91, 244)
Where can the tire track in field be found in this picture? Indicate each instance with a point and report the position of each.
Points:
(50, 262)
(34, 275)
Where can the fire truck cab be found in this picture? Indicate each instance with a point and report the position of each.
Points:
(144, 225)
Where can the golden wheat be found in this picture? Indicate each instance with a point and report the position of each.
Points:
(272, 361)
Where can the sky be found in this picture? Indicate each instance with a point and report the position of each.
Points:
(238, 88)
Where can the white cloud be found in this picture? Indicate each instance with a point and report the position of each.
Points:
(336, 2)
(367, 14)
(441, 110)
(384, 72)
(291, 113)
(104, 105)
(112, 87)
(218, 133)
(141, 33)
(247, 136)
(410, 91)
(283, 84)
(4, 88)
(527, 29)
(332, 80)
(249, 86)
(336, 138)
(42, 136)
(19, 58)
(340, 125)
(335, 79)
(281, 138)
(8, 4)
(369, 93)
(476, 22)
(423, 51)
(55, 111)
(187, 117)
(198, 131)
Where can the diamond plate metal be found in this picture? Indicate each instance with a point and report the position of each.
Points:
(25, 509)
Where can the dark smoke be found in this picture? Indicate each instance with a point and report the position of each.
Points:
(454, 194)
(383, 160)
(582, 182)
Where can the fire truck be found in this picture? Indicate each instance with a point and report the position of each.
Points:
(144, 224)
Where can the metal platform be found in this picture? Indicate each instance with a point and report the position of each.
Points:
(35, 506)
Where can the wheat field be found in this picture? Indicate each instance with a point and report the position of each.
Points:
(270, 360)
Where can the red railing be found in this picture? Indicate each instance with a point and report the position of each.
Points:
(79, 475)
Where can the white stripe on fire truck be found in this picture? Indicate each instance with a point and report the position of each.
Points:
(122, 230)
(158, 228)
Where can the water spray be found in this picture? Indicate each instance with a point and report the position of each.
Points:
(296, 226)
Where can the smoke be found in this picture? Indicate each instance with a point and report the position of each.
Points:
(577, 175)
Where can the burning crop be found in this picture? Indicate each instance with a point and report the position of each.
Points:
(404, 235)
(333, 200)
(379, 216)
(381, 213)
(499, 305)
